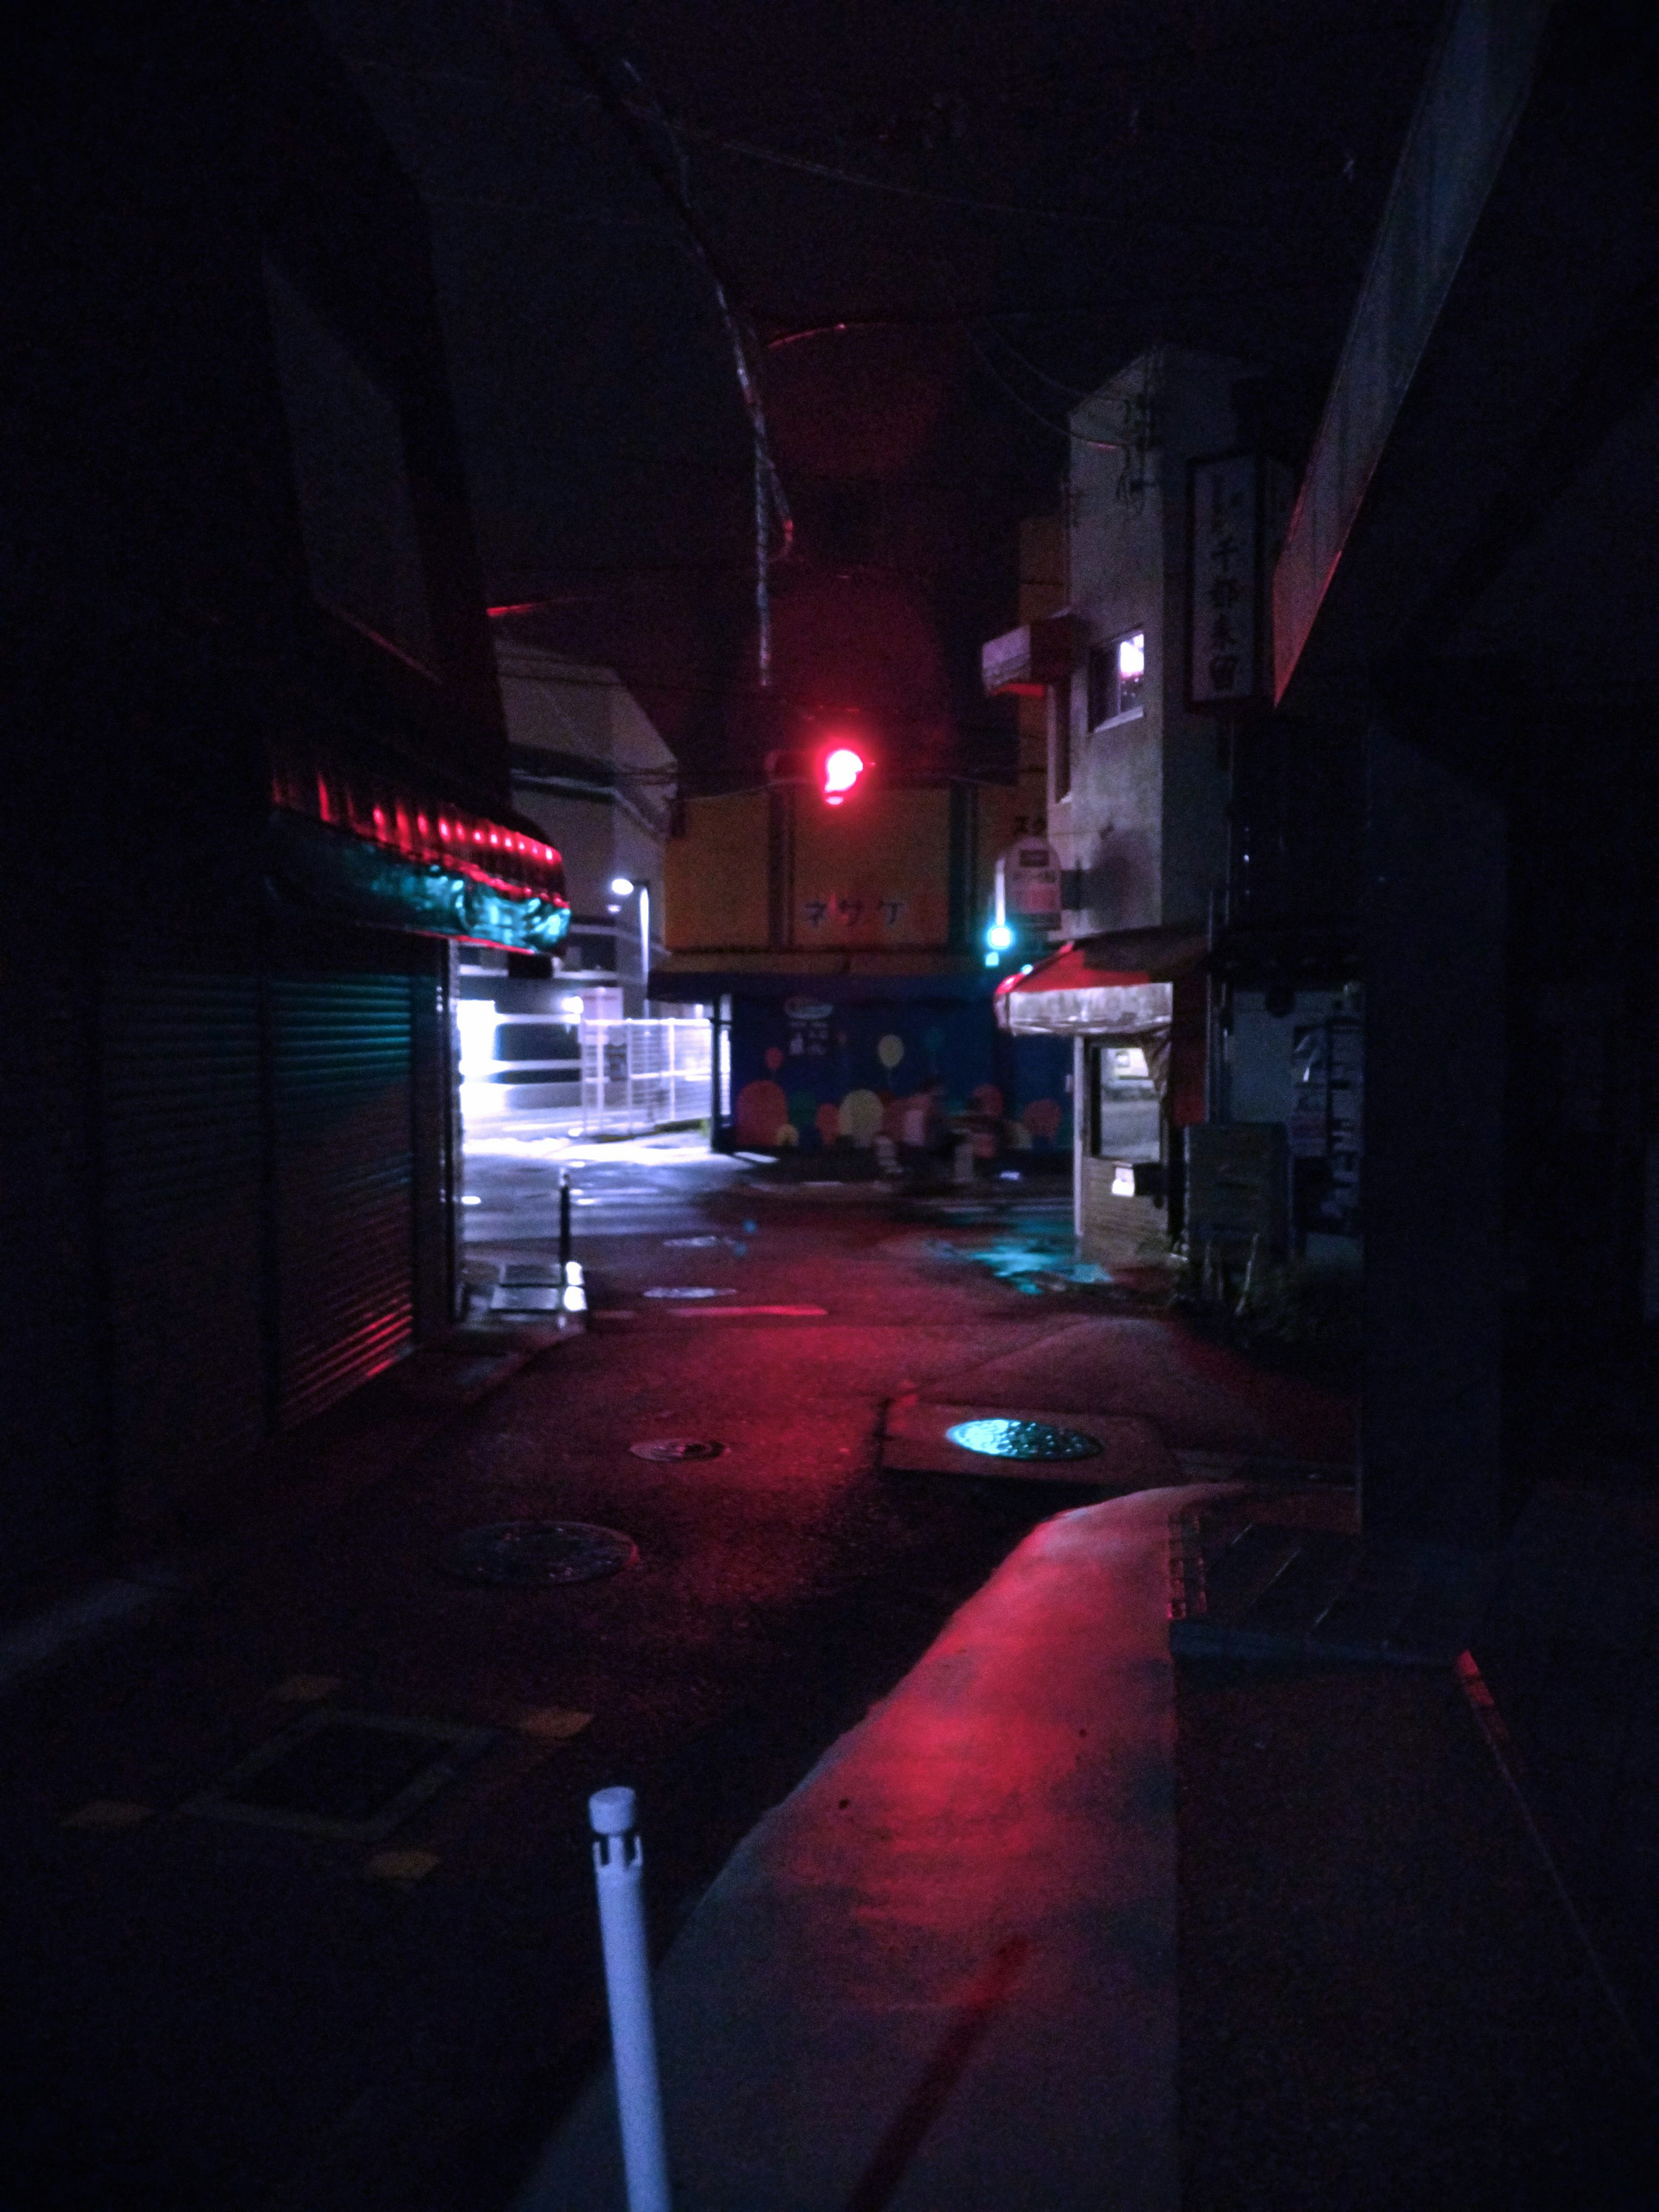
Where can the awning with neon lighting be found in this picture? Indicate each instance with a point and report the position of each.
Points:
(1117, 986)
(368, 845)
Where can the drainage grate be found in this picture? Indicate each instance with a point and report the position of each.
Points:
(677, 1448)
(536, 1554)
(352, 1776)
(1023, 1440)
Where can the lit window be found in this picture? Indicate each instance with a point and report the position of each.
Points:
(1117, 674)
(1124, 1116)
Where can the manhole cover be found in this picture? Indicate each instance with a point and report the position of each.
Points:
(678, 1447)
(532, 1554)
(677, 1291)
(1023, 1440)
(351, 1776)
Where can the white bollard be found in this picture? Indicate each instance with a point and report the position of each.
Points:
(628, 1986)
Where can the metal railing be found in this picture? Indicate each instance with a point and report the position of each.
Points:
(638, 1075)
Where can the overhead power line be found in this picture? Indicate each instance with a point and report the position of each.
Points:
(629, 116)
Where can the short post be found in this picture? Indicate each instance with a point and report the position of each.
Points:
(564, 1222)
(628, 1986)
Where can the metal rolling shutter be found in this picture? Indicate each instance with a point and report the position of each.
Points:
(342, 1057)
(184, 1156)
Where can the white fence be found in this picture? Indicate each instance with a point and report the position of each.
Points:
(638, 1075)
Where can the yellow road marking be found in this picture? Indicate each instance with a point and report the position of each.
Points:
(553, 1724)
(108, 1812)
(305, 1689)
(402, 1866)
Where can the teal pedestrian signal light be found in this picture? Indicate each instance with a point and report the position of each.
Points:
(999, 939)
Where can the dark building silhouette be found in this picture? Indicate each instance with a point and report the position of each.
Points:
(250, 721)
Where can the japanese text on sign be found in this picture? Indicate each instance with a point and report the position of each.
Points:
(839, 907)
(1224, 586)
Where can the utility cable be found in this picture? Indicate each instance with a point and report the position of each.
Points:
(771, 500)
(1060, 430)
(1067, 391)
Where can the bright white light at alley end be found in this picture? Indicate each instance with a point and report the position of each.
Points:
(1131, 656)
(621, 886)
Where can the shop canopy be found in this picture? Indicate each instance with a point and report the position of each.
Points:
(1119, 986)
(366, 843)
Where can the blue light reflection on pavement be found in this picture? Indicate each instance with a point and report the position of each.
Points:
(1032, 1259)
(1014, 1439)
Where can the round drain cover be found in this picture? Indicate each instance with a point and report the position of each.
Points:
(678, 1292)
(677, 1448)
(1023, 1440)
(533, 1553)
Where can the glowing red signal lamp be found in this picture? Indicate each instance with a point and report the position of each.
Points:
(840, 770)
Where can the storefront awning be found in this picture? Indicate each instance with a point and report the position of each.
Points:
(371, 846)
(1117, 986)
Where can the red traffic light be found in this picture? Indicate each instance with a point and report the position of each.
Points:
(839, 771)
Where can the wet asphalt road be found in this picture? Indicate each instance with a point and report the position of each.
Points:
(203, 2016)
(206, 2014)
(653, 1186)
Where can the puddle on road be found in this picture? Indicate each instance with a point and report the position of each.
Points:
(1037, 1258)
(1032, 1260)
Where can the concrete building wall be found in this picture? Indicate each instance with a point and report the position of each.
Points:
(715, 876)
(898, 868)
(1142, 832)
(874, 873)
(591, 770)
(1043, 590)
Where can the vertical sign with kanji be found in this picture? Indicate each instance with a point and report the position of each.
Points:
(1226, 662)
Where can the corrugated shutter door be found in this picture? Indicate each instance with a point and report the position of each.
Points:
(183, 1177)
(342, 1048)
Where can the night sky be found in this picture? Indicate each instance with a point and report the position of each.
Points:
(1006, 202)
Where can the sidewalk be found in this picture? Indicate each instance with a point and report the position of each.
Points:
(1266, 1935)
(1069, 1922)
(942, 1973)
(1018, 1939)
